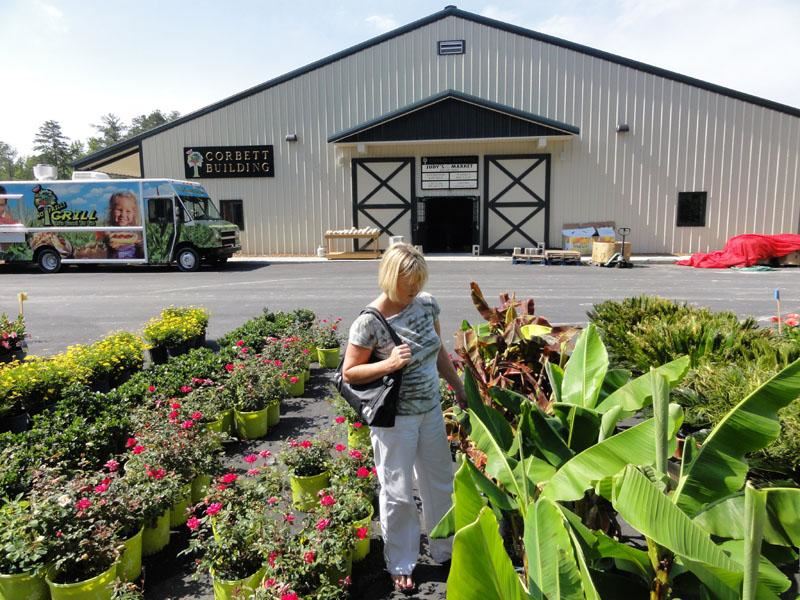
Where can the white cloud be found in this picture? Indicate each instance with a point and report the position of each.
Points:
(51, 15)
(382, 23)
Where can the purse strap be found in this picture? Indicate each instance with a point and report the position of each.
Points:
(378, 315)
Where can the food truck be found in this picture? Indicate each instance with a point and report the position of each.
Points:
(96, 220)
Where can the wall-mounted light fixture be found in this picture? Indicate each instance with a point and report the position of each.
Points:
(291, 137)
(542, 142)
(361, 148)
(623, 127)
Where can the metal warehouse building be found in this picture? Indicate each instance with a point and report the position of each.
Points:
(458, 130)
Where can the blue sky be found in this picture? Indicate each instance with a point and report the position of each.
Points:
(74, 61)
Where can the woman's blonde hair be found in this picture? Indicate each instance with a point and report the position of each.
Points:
(401, 260)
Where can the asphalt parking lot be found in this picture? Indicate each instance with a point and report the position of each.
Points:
(81, 304)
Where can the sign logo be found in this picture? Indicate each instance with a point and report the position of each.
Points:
(52, 212)
(195, 160)
(216, 162)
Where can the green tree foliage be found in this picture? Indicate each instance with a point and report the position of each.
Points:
(146, 122)
(111, 130)
(55, 148)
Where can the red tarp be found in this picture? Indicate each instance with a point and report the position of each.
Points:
(745, 251)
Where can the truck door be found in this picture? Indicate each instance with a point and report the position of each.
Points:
(160, 230)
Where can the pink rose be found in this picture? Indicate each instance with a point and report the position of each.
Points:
(362, 472)
(197, 415)
(213, 508)
(228, 478)
(340, 447)
(340, 420)
(356, 454)
(112, 465)
(306, 444)
(138, 449)
(251, 458)
(151, 389)
(327, 500)
(193, 523)
(83, 504)
(187, 424)
(358, 425)
(309, 557)
(362, 532)
(322, 524)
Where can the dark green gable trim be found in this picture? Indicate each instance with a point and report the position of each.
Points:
(447, 12)
(454, 119)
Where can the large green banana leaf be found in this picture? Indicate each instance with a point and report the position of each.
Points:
(725, 519)
(553, 571)
(499, 464)
(467, 503)
(633, 446)
(481, 568)
(771, 580)
(598, 546)
(545, 438)
(645, 508)
(585, 370)
(582, 425)
(718, 468)
(491, 418)
(637, 394)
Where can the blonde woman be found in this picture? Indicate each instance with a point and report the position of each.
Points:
(416, 447)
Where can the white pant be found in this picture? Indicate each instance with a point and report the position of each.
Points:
(415, 442)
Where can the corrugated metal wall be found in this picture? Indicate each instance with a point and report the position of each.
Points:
(681, 138)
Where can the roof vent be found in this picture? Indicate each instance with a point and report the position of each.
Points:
(451, 47)
(45, 172)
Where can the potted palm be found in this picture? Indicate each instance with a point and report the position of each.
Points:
(308, 463)
(24, 552)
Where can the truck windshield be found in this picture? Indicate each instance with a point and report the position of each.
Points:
(200, 208)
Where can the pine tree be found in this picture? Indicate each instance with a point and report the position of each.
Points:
(111, 130)
(54, 148)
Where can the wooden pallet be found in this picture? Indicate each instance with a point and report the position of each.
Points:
(562, 257)
(528, 259)
(364, 253)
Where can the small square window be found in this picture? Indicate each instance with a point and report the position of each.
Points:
(233, 212)
(692, 209)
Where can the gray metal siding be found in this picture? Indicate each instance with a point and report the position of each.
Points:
(682, 138)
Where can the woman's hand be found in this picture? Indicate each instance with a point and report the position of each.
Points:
(400, 356)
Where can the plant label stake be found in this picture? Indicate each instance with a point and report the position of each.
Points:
(21, 297)
(777, 295)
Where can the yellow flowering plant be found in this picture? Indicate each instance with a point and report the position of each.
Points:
(176, 325)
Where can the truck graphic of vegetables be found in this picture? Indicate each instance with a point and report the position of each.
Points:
(195, 160)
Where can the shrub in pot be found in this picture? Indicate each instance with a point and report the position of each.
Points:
(24, 552)
(12, 337)
(255, 384)
(241, 523)
(350, 509)
(308, 463)
(328, 339)
(80, 525)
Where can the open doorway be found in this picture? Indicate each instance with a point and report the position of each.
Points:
(449, 223)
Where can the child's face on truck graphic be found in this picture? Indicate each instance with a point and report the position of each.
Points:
(124, 212)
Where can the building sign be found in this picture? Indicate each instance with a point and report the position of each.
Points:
(207, 162)
(449, 172)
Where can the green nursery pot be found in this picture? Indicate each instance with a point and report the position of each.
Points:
(328, 357)
(232, 590)
(177, 514)
(305, 489)
(358, 438)
(252, 425)
(297, 389)
(24, 586)
(227, 424)
(361, 547)
(129, 566)
(273, 414)
(100, 587)
(199, 486)
(156, 537)
(218, 424)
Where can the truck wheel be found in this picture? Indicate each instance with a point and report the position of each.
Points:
(188, 259)
(49, 261)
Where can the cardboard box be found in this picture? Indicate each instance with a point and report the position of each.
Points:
(579, 236)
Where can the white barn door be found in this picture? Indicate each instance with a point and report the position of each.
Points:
(383, 196)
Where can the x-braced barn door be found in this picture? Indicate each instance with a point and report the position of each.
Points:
(516, 210)
(383, 196)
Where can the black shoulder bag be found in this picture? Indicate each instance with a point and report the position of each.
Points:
(374, 402)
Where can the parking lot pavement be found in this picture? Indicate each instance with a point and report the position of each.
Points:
(81, 304)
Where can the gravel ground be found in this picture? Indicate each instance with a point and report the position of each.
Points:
(170, 577)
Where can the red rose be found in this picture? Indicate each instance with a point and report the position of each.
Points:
(309, 557)
(362, 532)
(228, 478)
(138, 449)
(130, 443)
(83, 504)
(213, 508)
(251, 458)
(362, 472)
(340, 420)
(358, 425)
(327, 500)
(193, 523)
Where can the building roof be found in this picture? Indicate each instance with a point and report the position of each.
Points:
(452, 115)
(446, 12)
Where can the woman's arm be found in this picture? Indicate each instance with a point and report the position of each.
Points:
(448, 372)
(357, 368)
